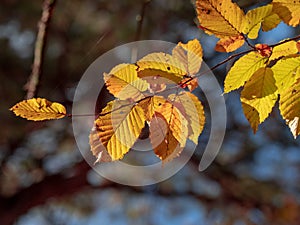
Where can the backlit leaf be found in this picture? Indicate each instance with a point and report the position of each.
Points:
(97, 148)
(289, 106)
(151, 104)
(192, 109)
(253, 20)
(223, 18)
(175, 120)
(190, 54)
(286, 72)
(123, 82)
(284, 49)
(242, 70)
(118, 127)
(156, 65)
(288, 11)
(165, 145)
(259, 96)
(270, 22)
(38, 109)
(230, 44)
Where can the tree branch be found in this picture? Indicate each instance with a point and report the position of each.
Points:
(33, 81)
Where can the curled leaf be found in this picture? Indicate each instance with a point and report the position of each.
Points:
(288, 11)
(230, 44)
(38, 109)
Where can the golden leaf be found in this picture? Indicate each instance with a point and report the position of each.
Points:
(284, 49)
(289, 106)
(254, 19)
(118, 127)
(38, 109)
(165, 145)
(175, 121)
(223, 18)
(270, 22)
(123, 82)
(259, 96)
(190, 54)
(288, 11)
(242, 70)
(98, 148)
(230, 44)
(161, 65)
(192, 109)
(286, 72)
(151, 104)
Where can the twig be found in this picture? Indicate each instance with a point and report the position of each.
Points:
(140, 20)
(285, 41)
(33, 81)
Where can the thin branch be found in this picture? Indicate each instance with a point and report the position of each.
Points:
(33, 81)
(285, 41)
(247, 42)
(140, 20)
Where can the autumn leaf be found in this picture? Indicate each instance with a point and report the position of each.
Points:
(242, 70)
(177, 123)
(151, 104)
(270, 22)
(223, 18)
(288, 11)
(118, 127)
(165, 145)
(190, 54)
(254, 19)
(192, 109)
(259, 96)
(286, 72)
(230, 44)
(156, 65)
(38, 109)
(284, 49)
(289, 106)
(97, 148)
(123, 82)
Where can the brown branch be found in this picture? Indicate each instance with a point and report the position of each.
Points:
(285, 41)
(140, 20)
(33, 81)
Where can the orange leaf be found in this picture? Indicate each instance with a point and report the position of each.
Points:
(230, 44)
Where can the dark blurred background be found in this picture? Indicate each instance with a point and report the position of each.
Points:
(43, 178)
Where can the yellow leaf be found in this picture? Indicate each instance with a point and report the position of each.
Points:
(175, 121)
(161, 65)
(259, 96)
(242, 70)
(38, 109)
(284, 49)
(123, 82)
(270, 22)
(223, 18)
(288, 11)
(192, 109)
(151, 104)
(253, 20)
(230, 44)
(190, 54)
(286, 72)
(118, 127)
(165, 145)
(289, 106)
